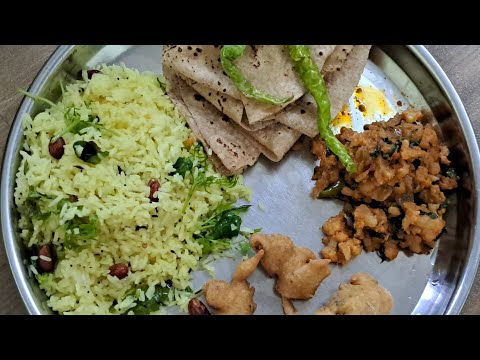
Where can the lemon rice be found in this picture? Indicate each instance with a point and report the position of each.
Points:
(142, 135)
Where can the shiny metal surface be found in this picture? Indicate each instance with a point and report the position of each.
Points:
(434, 284)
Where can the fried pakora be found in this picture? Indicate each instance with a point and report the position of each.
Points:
(362, 296)
(297, 270)
(236, 297)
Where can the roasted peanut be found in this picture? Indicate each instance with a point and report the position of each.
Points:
(119, 270)
(196, 307)
(45, 259)
(154, 186)
(56, 149)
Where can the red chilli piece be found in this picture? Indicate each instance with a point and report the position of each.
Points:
(154, 186)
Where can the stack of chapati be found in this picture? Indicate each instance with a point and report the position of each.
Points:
(236, 129)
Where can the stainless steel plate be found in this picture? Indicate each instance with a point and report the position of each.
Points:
(435, 284)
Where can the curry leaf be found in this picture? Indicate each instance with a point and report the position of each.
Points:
(80, 229)
(227, 226)
(215, 233)
(183, 165)
(89, 152)
(159, 298)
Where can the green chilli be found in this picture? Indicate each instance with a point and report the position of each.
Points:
(228, 55)
(313, 80)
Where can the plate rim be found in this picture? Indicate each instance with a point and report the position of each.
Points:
(466, 277)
